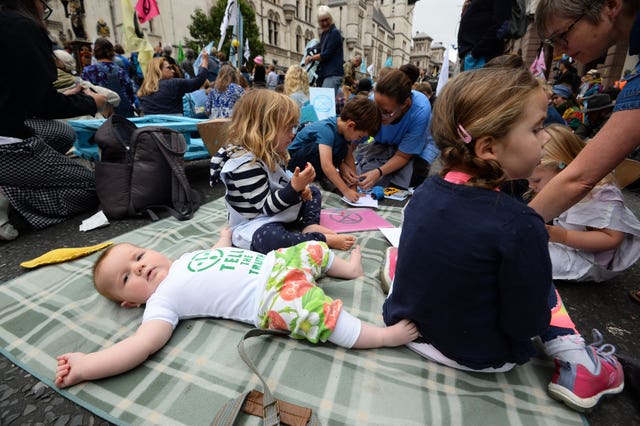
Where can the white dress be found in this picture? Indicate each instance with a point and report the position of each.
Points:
(603, 208)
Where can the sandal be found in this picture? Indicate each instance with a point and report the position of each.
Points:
(635, 295)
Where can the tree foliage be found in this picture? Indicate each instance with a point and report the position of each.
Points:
(205, 28)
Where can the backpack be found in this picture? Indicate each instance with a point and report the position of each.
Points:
(519, 20)
(113, 83)
(142, 169)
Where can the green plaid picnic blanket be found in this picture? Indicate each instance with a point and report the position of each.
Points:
(55, 309)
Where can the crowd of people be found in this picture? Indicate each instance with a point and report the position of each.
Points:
(486, 288)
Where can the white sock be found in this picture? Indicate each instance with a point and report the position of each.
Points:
(570, 348)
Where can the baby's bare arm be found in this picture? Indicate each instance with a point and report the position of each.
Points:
(78, 367)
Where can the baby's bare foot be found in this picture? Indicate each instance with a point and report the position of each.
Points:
(400, 333)
(340, 241)
(355, 263)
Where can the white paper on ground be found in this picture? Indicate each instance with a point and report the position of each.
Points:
(365, 201)
(98, 220)
(392, 234)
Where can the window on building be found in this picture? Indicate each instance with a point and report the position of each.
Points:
(299, 39)
(270, 26)
(308, 7)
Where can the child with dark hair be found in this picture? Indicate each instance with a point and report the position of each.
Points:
(328, 144)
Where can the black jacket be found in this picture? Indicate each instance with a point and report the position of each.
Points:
(26, 89)
(483, 27)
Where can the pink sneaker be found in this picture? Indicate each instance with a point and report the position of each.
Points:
(581, 390)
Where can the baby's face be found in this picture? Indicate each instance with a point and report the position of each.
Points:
(131, 273)
(540, 177)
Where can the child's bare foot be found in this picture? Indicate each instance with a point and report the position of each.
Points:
(347, 269)
(400, 333)
(340, 241)
(314, 227)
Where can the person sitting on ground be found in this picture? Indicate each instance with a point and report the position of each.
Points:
(67, 79)
(597, 109)
(37, 179)
(122, 61)
(167, 50)
(107, 74)
(187, 63)
(404, 134)
(224, 94)
(194, 103)
(597, 238)
(565, 103)
(329, 144)
(485, 289)
(568, 75)
(161, 92)
(296, 85)
(277, 291)
(268, 208)
(593, 85)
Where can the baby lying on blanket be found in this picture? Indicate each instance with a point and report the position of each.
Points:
(276, 290)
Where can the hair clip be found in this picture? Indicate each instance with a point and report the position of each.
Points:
(464, 135)
(561, 165)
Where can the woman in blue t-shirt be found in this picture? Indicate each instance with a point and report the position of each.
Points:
(405, 115)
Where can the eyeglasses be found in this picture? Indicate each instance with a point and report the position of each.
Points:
(562, 37)
(391, 114)
(47, 11)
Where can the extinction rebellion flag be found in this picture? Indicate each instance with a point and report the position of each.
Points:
(146, 10)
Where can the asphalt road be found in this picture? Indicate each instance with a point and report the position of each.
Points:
(606, 306)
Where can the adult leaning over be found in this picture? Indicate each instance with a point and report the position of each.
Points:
(404, 134)
(584, 30)
(162, 92)
(36, 178)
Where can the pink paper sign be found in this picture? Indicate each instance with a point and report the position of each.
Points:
(352, 220)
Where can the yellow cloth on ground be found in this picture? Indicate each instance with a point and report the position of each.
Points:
(63, 254)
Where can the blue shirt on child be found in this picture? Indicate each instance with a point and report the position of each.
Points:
(323, 132)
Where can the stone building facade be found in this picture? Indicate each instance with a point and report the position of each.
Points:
(376, 29)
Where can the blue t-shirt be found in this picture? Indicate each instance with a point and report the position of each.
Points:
(323, 132)
(411, 133)
(473, 273)
(629, 96)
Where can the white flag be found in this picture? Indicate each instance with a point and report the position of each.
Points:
(444, 72)
(370, 70)
(230, 18)
(247, 52)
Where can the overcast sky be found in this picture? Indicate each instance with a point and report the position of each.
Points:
(439, 19)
